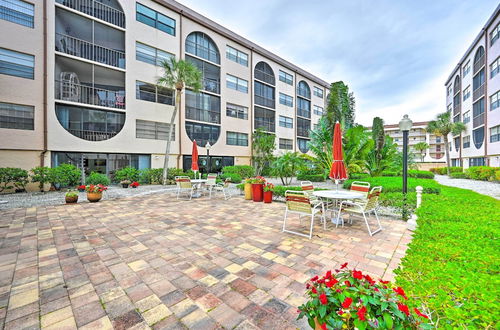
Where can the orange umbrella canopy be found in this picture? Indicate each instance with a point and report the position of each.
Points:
(338, 170)
(194, 157)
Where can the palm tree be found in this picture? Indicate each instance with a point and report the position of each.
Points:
(421, 147)
(442, 126)
(177, 74)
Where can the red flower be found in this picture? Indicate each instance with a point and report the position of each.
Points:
(308, 286)
(347, 302)
(323, 299)
(331, 283)
(314, 279)
(399, 290)
(369, 279)
(323, 326)
(357, 274)
(347, 283)
(328, 274)
(419, 313)
(343, 266)
(383, 282)
(404, 309)
(361, 313)
(314, 290)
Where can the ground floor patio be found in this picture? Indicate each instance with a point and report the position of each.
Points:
(153, 261)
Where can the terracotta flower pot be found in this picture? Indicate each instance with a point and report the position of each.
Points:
(268, 196)
(257, 192)
(94, 197)
(317, 326)
(71, 199)
(248, 191)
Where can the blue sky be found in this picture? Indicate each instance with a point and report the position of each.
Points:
(395, 55)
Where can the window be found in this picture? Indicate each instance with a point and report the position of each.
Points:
(466, 141)
(457, 143)
(145, 129)
(201, 45)
(495, 67)
(303, 127)
(236, 56)
(466, 117)
(236, 111)
(466, 93)
(448, 90)
(151, 55)
(264, 72)
(153, 93)
(478, 112)
(478, 137)
(237, 139)
(495, 101)
(438, 139)
(302, 144)
(202, 107)
(154, 19)
(286, 122)
(479, 161)
(17, 64)
(286, 78)
(16, 116)
(286, 100)
(318, 110)
(285, 144)
(318, 92)
(18, 12)
(466, 68)
(304, 90)
(237, 83)
(495, 134)
(449, 108)
(210, 72)
(265, 119)
(456, 163)
(202, 133)
(264, 95)
(495, 34)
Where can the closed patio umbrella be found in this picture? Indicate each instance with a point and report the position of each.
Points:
(338, 170)
(194, 159)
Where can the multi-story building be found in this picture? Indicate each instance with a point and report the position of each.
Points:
(473, 97)
(77, 84)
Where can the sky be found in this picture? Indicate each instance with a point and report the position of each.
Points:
(395, 55)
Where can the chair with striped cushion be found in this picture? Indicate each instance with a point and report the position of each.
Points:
(361, 187)
(211, 183)
(298, 202)
(184, 185)
(308, 188)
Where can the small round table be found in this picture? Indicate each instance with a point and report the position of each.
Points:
(197, 185)
(336, 195)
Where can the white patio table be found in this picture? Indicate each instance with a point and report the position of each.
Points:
(197, 185)
(336, 195)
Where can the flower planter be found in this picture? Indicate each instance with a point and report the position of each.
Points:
(248, 191)
(268, 196)
(317, 326)
(125, 185)
(94, 197)
(257, 192)
(71, 199)
(81, 190)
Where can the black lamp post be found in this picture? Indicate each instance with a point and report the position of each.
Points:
(208, 146)
(405, 126)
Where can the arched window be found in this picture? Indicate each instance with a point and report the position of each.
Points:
(264, 72)
(264, 92)
(303, 100)
(456, 85)
(478, 137)
(202, 133)
(304, 90)
(201, 45)
(479, 54)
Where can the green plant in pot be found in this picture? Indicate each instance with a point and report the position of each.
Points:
(71, 197)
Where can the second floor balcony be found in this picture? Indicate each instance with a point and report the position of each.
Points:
(87, 94)
(97, 9)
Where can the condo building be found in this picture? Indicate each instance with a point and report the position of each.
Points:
(77, 85)
(473, 97)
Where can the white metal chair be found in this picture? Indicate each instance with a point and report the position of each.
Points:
(363, 208)
(211, 183)
(184, 185)
(308, 189)
(298, 202)
(362, 188)
(223, 188)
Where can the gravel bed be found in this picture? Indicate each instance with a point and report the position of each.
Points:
(483, 187)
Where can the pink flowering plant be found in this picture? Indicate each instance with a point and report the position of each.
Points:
(349, 299)
(268, 187)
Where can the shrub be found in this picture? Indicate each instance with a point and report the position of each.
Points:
(390, 173)
(459, 175)
(65, 175)
(127, 173)
(420, 174)
(13, 177)
(311, 177)
(395, 184)
(452, 262)
(151, 175)
(357, 176)
(280, 190)
(173, 172)
(235, 177)
(455, 169)
(97, 178)
(244, 171)
(41, 175)
(497, 175)
(484, 173)
(442, 170)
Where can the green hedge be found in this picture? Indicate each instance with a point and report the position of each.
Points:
(235, 177)
(244, 171)
(395, 184)
(97, 178)
(151, 176)
(311, 177)
(484, 173)
(442, 170)
(459, 175)
(127, 173)
(357, 176)
(411, 174)
(452, 263)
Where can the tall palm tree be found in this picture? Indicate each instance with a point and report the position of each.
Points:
(421, 147)
(442, 126)
(177, 74)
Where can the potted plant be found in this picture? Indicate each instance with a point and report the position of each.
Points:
(71, 197)
(81, 188)
(125, 183)
(268, 192)
(349, 299)
(258, 188)
(248, 189)
(94, 192)
(135, 184)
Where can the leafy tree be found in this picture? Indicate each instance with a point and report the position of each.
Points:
(341, 105)
(263, 146)
(442, 126)
(378, 136)
(41, 175)
(385, 161)
(177, 74)
(286, 166)
(320, 144)
(421, 147)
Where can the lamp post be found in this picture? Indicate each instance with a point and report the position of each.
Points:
(405, 126)
(208, 146)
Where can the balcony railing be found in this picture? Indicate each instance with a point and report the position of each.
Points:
(97, 10)
(304, 92)
(266, 125)
(478, 120)
(202, 115)
(210, 85)
(202, 51)
(304, 113)
(303, 132)
(265, 77)
(479, 64)
(260, 100)
(67, 91)
(81, 48)
(456, 109)
(477, 93)
(92, 135)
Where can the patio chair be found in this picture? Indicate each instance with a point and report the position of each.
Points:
(223, 188)
(308, 189)
(362, 188)
(211, 183)
(184, 185)
(298, 202)
(364, 208)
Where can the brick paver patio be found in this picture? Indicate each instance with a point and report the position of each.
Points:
(157, 262)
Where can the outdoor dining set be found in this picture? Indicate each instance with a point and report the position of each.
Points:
(197, 187)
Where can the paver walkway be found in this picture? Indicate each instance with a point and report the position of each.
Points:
(483, 187)
(153, 261)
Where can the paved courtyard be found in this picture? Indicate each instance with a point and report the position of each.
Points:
(153, 261)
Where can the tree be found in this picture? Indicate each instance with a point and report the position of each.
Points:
(421, 147)
(341, 106)
(385, 161)
(177, 74)
(41, 175)
(286, 166)
(263, 146)
(378, 136)
(442, 126)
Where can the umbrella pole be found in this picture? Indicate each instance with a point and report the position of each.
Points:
(337, 183)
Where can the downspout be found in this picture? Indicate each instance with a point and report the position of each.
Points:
(180, 99)
(295, 136)
(251, 114)
(42, 155)
(487, 160)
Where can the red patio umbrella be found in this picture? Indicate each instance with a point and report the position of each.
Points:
(194, 158)
(338, 170)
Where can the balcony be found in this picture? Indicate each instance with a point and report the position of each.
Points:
(479, 64)
(80, 93)
(456, 109)
(478, 93)
(90, 51)
(211, 85)
(303, 132)
(96, 9)
(267, 102)
(304, 113)
(202, 115)
(266, 125)
(92, 135)
(202, 51)
(478, 120)
(265, 77)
